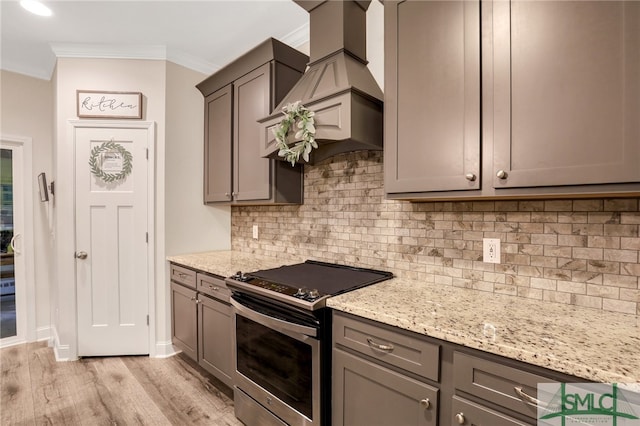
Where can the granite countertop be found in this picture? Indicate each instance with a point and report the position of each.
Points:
(593, 344)
(226, 263)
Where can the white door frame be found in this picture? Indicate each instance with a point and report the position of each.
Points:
(25, 266)
(151, 184)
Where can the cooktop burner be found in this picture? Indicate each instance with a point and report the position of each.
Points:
(308, 283)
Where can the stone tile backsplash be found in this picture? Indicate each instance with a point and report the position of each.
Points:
(582, 251)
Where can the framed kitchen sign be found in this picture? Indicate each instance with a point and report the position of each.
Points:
(97, 104)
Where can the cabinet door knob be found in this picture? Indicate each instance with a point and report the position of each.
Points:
(227, 194)
(502, 174)
(81, 255)
(470, 177)
(425, 403)
(460, 418)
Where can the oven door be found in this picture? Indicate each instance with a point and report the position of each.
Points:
(277, 363)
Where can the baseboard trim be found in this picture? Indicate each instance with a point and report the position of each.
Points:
(61, 352)
(164, 350)
(43, 333)
(11, 341)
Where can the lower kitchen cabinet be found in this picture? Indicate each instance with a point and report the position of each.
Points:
(184, 320)
(366, 393)
(383, 375)
(214, 338)
(201, 320)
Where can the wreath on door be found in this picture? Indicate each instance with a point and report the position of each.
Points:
(99, 155)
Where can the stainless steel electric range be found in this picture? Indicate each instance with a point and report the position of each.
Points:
(282, 340)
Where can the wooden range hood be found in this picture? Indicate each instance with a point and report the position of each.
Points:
(337, 85)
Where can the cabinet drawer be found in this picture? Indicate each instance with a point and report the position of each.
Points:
(213, 286)
(495, 382)
(467, 413)
(183, 276)
(402, 350)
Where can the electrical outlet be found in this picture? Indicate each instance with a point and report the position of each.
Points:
(255, 232)
(491, 250)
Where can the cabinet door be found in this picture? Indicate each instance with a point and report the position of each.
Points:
(251, 102)
(365, 393)
(218, 132)
(432, 96)
(184, 326)
(566, 92)
(470, 414)
(214, 338)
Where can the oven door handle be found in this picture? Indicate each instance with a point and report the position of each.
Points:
(274, 323)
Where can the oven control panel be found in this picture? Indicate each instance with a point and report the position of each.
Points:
(299, 293)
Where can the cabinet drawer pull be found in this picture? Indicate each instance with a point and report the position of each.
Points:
(385, 348)
(425, 403)
(214, 288)
(527, 398)
(183, 276)
(460, 418)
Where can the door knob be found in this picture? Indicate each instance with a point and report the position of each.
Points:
(425, 403)
(81, 255)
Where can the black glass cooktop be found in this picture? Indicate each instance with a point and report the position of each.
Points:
(328, 278)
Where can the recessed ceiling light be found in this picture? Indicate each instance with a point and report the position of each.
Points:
(36, 7)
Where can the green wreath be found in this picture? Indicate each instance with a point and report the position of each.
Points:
(96, 167)
(302, 118)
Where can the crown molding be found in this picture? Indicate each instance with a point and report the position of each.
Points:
(192, 62)
(152, 52)
(297, 37)
(39, 73)
(105, 51)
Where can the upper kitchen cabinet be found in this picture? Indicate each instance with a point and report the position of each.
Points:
(432, 96)
(566, 94)
(559, 99)
(235, 98)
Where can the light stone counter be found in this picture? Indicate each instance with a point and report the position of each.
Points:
(226, 263)
(592, 344)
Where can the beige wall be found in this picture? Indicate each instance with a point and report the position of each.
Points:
(182, 222)
(144, 76)
(190, 226)
(193, 225)
(582, 252)
(27, 110)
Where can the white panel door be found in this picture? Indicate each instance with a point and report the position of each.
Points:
(111, 229)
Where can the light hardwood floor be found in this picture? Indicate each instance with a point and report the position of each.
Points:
(37, 390)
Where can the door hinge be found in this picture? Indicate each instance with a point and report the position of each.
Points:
(147, 319)
(146, 238)
(147, 153)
